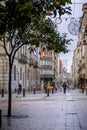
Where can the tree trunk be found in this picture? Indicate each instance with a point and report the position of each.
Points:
(9, 89)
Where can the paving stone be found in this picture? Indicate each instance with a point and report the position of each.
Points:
(59, 111)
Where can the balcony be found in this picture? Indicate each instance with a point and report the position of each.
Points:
(31, 61)
(22, 58)
(84, 42)
(47, 67)
(82, 66)
(47, 58)
(35, 64)
(47, 76)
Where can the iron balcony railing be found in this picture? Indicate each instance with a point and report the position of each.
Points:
(22, 58)
(46, 76)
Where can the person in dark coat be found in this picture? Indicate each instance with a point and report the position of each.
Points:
(64, 87)
(45, 88)
(19, 89)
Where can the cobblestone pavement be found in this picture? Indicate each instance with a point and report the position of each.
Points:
(38, 112)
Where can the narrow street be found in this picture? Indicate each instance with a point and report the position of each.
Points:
(59, 111)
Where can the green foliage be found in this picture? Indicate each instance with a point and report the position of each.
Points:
(50, 5)
(24, 22)
(49, 38)
(14, 15)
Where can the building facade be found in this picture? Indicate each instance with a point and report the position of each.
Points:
(25, 71)
(47, 68)
(79, 67)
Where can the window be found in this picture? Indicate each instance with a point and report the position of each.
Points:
(21, 73)
(28, 71)
(15, 72)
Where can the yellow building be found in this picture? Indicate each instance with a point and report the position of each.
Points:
(47, 68)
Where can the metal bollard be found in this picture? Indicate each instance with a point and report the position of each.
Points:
(52, 91)
(82, 89)
(48, 92)
(2, 92)
(23, 92)
(86, 91)
(34, 90)
(0, 119)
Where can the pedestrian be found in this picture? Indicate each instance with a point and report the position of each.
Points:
(19, 88)
(64, 87)
(45, 88)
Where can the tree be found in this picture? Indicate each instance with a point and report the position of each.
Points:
(51, 39)
(18, 27)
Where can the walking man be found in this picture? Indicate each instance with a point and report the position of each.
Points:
(64, 87)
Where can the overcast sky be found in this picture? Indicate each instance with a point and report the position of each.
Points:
(63, 28)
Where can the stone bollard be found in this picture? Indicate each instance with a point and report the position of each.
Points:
(23, 92)
(0, 119)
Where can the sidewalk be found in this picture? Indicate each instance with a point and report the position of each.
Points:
(59, 111)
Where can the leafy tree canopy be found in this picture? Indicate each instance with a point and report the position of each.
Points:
(23, 22)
